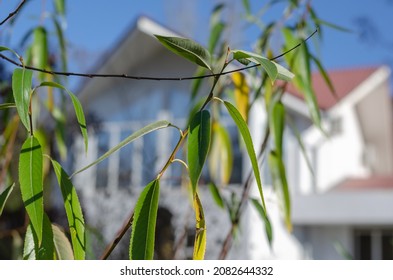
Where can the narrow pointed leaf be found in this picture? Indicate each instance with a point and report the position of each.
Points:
(266, 220)
(4, 196)
(31, 182)
(60, 7)
(200, 227)
(245, 133)
(187, 49)
(7, 106)
(40, 50)
(325, 76)
(139, 133)
(62, 44)
(198, 145)
(280, 184)
(21, 89)
(221, 159)
(77, 107)
(62, 245)
(269, 66)
(215, 35)
(73, 211)
(2, 48)
(301, 145)
(196, 83)
(216, 195)
(242, 92)
(283, 73)
(144, 224)
(33, 249)
(277, 124)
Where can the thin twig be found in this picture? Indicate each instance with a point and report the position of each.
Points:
(119, 236)
(126, 76)
(14, 12)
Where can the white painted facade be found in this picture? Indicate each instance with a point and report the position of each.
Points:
(321, 216)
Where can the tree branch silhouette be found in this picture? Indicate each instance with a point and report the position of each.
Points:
(126, 76)
(14, 12)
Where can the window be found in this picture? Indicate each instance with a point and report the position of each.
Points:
(374, 244)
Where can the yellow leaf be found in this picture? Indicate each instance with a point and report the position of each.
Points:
(242, 92)
(200, 227)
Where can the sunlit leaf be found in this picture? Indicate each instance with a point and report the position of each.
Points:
(268, 227)
(216, 195)
(139, 133)
(73, 210)
(269, 66)
(280, 184)
(40, 50)
(2, 48)
(77, 107)
(242, 92)
(187, 49)
(198, 145)
(31, 182)
(33, 249)
(60, 7)
(200, 227)
(245, 133)
(144, 224)
(221, 158)
(62, 245)
(21, 88)
(4, 196)
(283, 73)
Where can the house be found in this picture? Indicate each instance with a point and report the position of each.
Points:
(344, 207)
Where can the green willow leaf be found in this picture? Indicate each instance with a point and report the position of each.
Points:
(2, 48)
(277, 124)
(325, 76)
(34, 250)
(266, 220)
(221, 155)
(139, 133)
(7, 106)
(301, 145)
(60, 7)
(280, 184)
(77, 107)
(73, 210)
(200, 227)
(144, 224)
(40, 50)
(269, 66)
(4, 196)
(21, 89)
(62, 44)
(245, 133)
(31, 183)
(198, 145)
(196, 83)
(187, 49)
(216, 195)
(62, 245)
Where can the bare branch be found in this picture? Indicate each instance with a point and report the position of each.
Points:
(126, 76)
(14, 12)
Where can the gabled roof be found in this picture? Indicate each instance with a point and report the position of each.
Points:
(344, 82)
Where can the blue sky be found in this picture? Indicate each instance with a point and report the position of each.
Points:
(95, 25)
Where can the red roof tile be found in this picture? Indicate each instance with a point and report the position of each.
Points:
(344, 81)
(370, 183)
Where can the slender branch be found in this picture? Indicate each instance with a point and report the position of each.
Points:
(119, 236)
(14, 12)
(126, 76)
